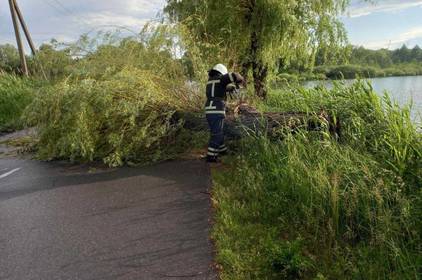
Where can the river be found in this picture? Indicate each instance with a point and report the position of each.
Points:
(402, 89)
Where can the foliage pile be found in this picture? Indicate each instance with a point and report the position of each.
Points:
(305, 206)
(15, 95)
(117, 104)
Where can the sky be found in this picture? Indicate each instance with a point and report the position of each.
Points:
(375, 24)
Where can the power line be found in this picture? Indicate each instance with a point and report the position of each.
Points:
(64, 8)
(55, 7)
(33, 33)
(59, 7)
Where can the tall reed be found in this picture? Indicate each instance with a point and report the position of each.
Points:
(308, 206)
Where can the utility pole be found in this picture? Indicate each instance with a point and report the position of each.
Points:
(28, 38)
(17, 15)
(18, 37)
(24, 27)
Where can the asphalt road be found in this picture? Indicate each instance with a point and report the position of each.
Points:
(70, 222)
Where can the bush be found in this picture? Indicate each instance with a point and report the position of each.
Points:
(9, 59)
(117, 105)
(306, 206)
(15, 94)
(51, 63)
(122, 118)
(351, 72)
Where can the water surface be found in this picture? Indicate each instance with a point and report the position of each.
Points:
(402, 89)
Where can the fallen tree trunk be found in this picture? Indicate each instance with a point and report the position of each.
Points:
(246, 120)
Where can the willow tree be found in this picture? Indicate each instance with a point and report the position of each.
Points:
(259, 35)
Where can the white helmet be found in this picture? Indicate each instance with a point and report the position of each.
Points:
(220, 68)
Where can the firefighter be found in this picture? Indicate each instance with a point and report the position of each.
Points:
(219, 82)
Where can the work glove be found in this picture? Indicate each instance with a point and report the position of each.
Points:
(239, 79)
(231, 88)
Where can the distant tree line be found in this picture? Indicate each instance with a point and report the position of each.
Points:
(356, 62)
(386, 58)
(366, 63)
(53, 61)
(382, 58)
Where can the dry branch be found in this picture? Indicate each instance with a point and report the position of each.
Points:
(246, 119)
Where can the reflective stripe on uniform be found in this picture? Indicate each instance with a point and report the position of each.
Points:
(212, 149)
(210, 107)
(212, 154)
(222, 148)
(215, 112)
(213, 86)
(231, 77)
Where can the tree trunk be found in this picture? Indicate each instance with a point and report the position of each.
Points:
(249, 7)
(246, 120)
(246, 65)
(260, 73)
(259, 69)
(252, 59)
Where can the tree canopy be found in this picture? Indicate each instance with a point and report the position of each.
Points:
(9, 58)
(256, 36)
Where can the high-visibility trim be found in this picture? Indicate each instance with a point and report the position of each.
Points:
(213, 86)
(213, 150)
(222, 150)
(215, 112)
(210, 107)
(212, 154)
(231, 77)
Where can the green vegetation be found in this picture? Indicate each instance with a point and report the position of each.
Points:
(258, 37)
(364, 63)
(385, 58)
(289, 205)
(15, 95)
(9, 58)
(304, 206)
(351, 71)
(117, 105)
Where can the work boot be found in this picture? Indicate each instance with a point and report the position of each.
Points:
(223, 151)
(212, 159)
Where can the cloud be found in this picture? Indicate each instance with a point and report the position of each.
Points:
(359, 9)
(67, 20)
(406, 37)
(144, 6)
(111, 19)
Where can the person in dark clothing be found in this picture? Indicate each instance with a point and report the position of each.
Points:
(219, 81)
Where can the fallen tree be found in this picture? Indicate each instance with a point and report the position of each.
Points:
(245, 119)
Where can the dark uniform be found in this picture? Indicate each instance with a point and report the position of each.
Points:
(215, 110)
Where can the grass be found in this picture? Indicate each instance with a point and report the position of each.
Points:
(289, 205)
(15, 95)
(305, 206)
